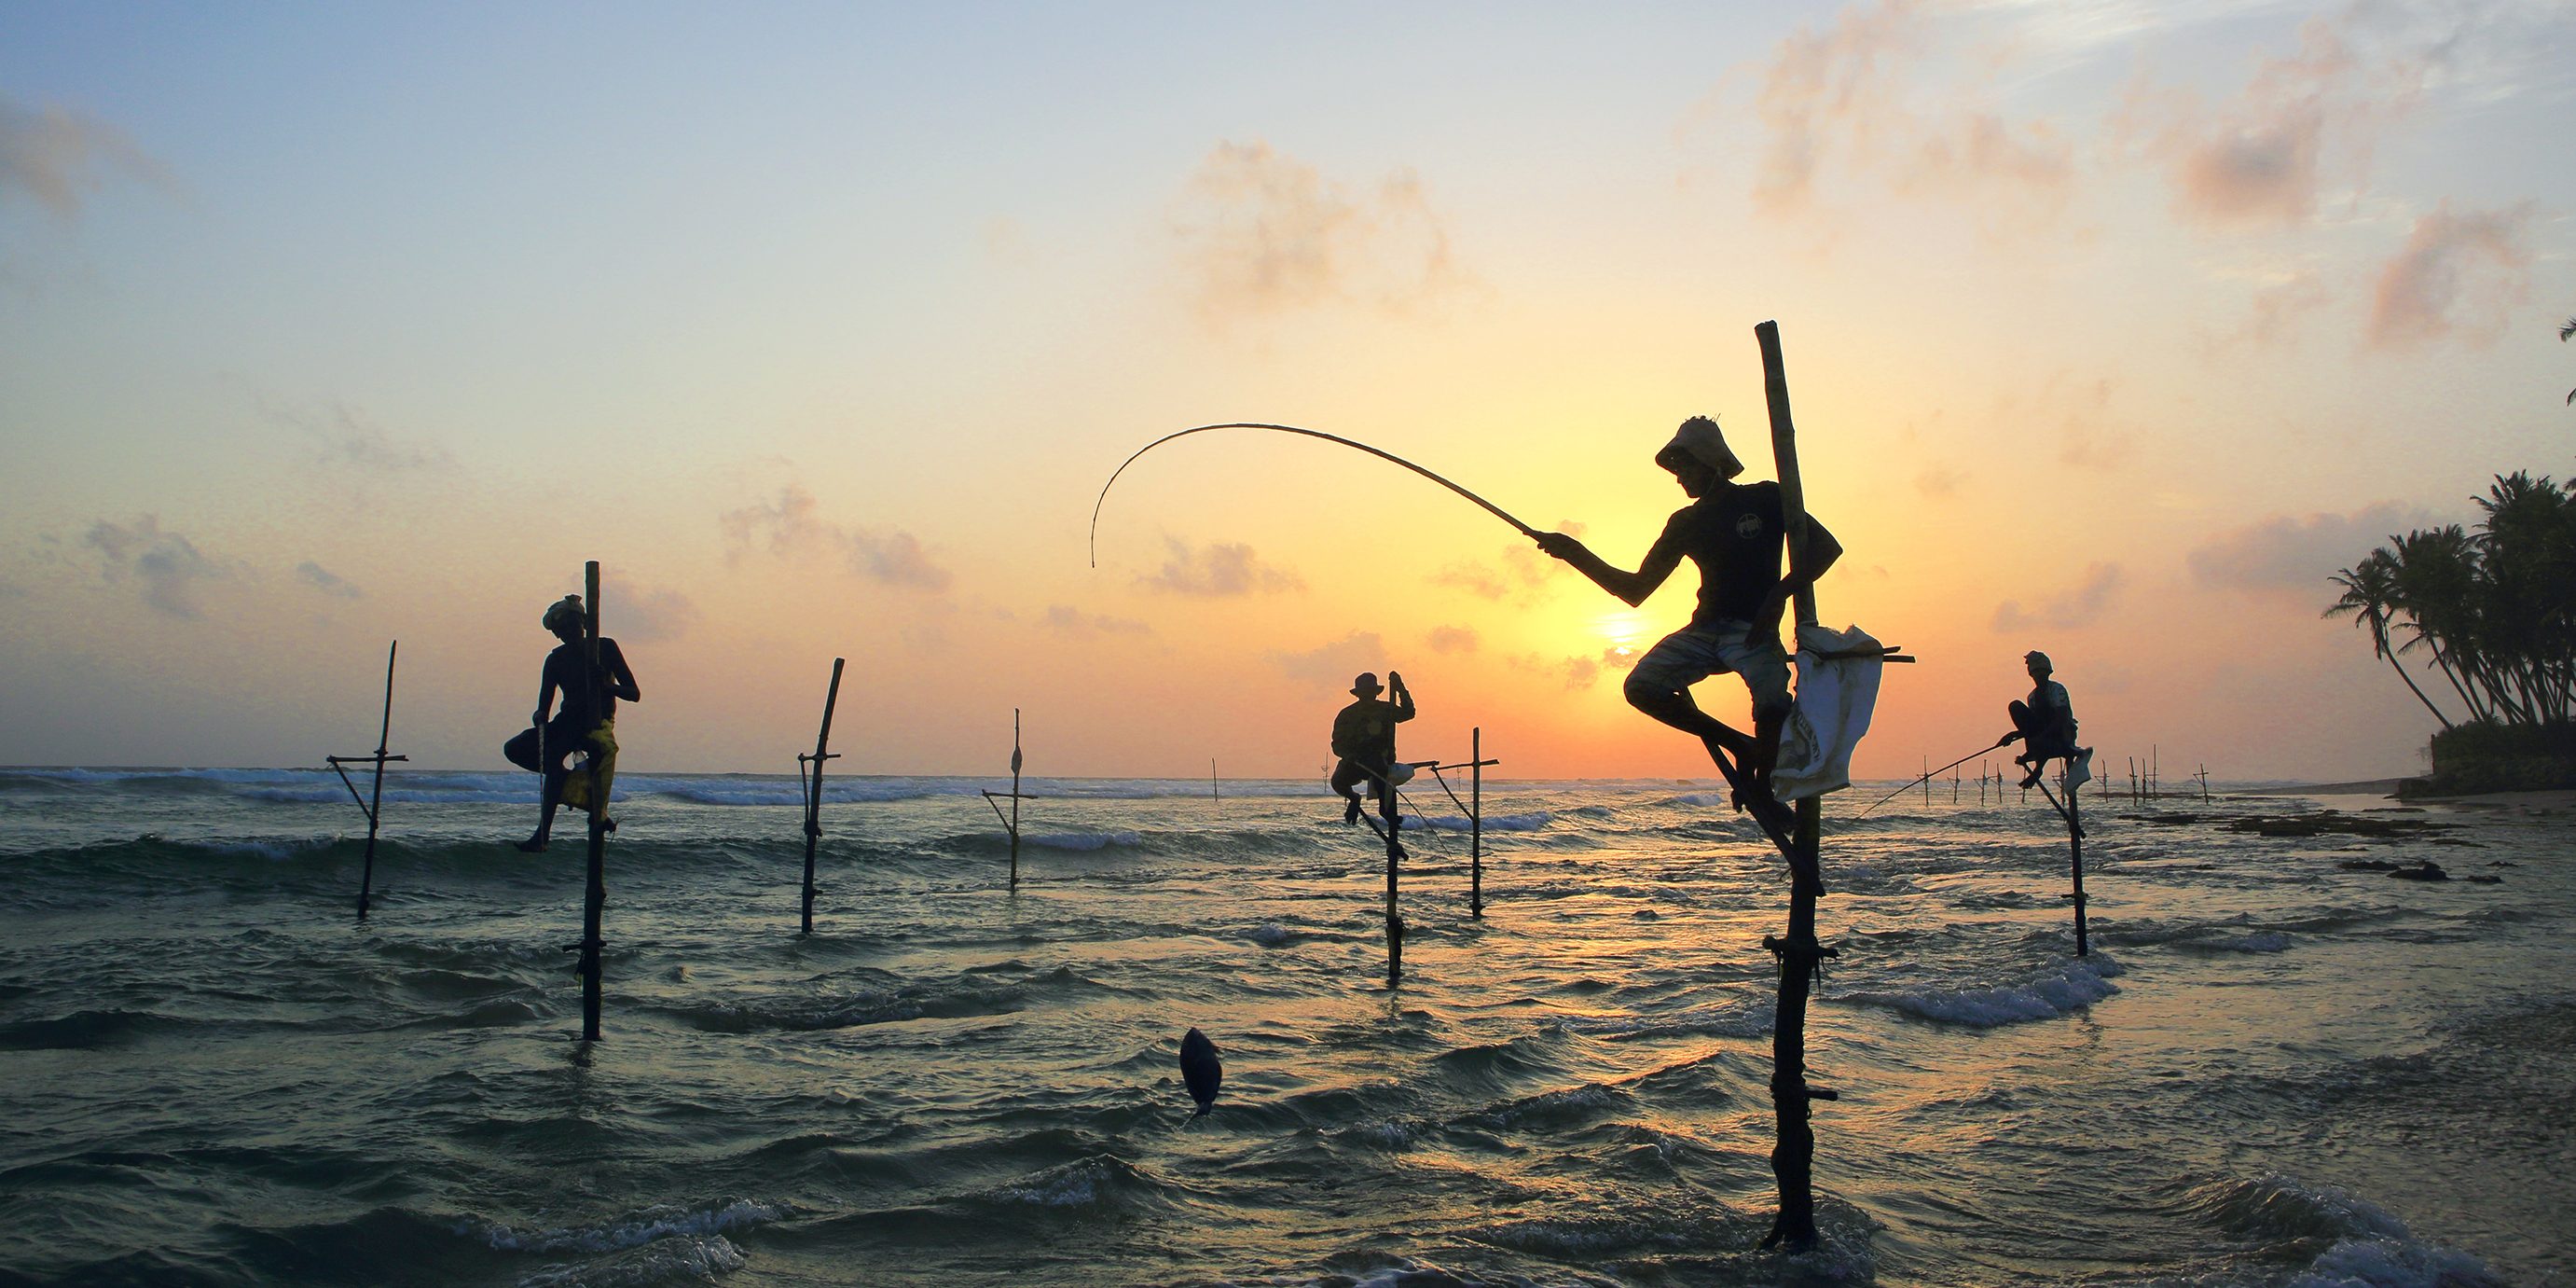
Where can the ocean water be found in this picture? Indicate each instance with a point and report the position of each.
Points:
(2275, 1068)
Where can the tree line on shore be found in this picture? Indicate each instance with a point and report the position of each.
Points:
(2491, 606)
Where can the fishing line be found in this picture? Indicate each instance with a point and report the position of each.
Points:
(2000, 742)
(1489, 507)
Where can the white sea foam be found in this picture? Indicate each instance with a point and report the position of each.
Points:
(1078, 840)
(679, 1258)
(2041, 995)
(1271, 934)
(661, 1221)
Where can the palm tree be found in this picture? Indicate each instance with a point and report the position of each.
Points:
(2368, 588)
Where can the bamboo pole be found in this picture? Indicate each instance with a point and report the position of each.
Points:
(1212, 796)
(1476, 822)
(375, 804)
(1799, 955)
(1393, 817)
(1015, 798)
(814, 791)
(595, 896)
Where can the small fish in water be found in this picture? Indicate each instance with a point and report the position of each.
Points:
(1200, 1069)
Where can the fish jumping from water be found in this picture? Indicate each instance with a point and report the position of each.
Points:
(1201, 1071)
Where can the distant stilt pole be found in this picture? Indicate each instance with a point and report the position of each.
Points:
(1927, 780)
(814, 790)
(374, 805)
(1015, 798)
(1212, 778)
(1476, 822)
(595, 899)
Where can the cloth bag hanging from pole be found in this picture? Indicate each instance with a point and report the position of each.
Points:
(1838, 674)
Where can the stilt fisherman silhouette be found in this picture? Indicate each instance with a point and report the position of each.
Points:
(1735, 533)
(2045, 724)
(588, 722)
(1364, 738)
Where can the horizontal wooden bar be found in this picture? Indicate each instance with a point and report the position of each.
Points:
(362, 760)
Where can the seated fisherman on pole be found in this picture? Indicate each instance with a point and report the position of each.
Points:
(589, 713)
(1734, 532)
(1364, 738)
(2045, 725)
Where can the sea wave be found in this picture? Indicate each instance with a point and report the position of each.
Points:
(2043, 994)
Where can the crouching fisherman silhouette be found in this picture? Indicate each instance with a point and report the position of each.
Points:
(587, 725)
(2045, 724)
(1735, 533)
(1364, 738)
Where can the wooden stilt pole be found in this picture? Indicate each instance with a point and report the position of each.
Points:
(1015, 798)
(1393, 818)
(814, 791)
(595, 898)
(2075, 861)
(2075, 849)
(374, 805)
(1799, 954)
(1476, 822)
(1212, 779)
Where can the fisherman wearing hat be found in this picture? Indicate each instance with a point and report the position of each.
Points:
(588, 719)
(2045, 725)
(1735, 533)
(1364, 737)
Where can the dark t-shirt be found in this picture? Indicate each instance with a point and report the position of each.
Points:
(586, 705)
(1735, 536)
(1365, 730)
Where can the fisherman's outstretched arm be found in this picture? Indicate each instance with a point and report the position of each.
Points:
(1630, 587)
(1403, 697)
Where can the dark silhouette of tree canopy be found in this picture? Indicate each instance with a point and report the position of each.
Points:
(2563, 333)
(2494, 610)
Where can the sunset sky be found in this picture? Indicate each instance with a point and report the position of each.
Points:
(2112, 329)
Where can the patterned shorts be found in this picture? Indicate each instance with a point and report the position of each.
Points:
(1688, 656)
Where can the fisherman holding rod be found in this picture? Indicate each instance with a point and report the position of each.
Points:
(1736, 534)
(1364, 738)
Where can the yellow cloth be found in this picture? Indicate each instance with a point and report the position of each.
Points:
(603, 767)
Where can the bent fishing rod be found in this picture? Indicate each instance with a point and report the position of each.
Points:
(2000, 742)
(1488, 506)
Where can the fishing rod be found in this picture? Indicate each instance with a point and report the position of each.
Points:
(2001, 742)
(1489, 507)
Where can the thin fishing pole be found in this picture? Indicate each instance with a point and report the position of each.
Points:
(1489, 507)
(2000, 742)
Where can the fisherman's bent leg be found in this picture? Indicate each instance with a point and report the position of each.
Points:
(1660, 687)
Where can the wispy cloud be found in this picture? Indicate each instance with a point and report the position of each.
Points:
(57, 155)
(1524, 572)
(2297, 554)
(643, 614)
(2068, 609)
(342, 436)
(1576, 673)
(1337, 662)
(1262, 233)
(328, 582)
(1452, 639)
(1218, 570)
(1844, 99)
(167, 564)
(1066, 620)
(2458, 272)
(793, 527)
(2263, 157)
